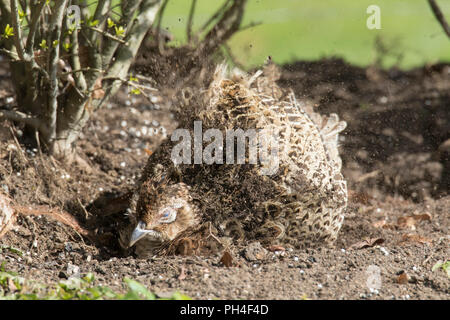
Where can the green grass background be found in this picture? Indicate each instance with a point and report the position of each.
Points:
(312, 29)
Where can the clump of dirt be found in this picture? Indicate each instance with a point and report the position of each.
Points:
(395, 157)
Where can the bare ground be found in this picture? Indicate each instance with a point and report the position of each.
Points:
(396, 159)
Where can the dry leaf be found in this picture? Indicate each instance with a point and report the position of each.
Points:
(148, 151)
(274, 248)
(410, 221)
(403, 278)
(98, 92)
(415, 238)
(380, 224)
(366, 243)
(182, 275)
(227, 259)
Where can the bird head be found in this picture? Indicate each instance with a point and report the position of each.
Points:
(171, 213)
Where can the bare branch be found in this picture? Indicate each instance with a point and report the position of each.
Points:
(100, 15)
(17, 30)
(215, 16)
(160, 15)
(80, 81)
(108, 35)
(55, 29)
(249, 26)
(125, 54)
(10, 54)
(20, 117)
(439, 16)
(110, 47)
(227, 25)
(190, 20)
(35, 16)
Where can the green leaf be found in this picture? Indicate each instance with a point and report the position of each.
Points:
(179, 296)
(120, 31)
(55, 43)
(133, 79)
(9, 31)
(93, 23)
(135, 91)
(137, 288)
(89, 278)
(110, 23)
(43, 44)
(11, 249)
(67, 46)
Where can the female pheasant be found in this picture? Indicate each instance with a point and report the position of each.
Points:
(300, 202)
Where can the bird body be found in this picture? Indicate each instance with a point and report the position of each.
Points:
(300, 204)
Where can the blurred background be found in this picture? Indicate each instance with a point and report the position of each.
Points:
(309, 29)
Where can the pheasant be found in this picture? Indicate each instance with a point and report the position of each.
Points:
(192, 208)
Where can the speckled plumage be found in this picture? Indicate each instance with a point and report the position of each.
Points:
(301, 205)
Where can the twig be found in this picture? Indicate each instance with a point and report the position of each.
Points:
(158, 26)
(80, 81)
(9, 54)
(225, 28)
(20, 117)
(35, 15)
(190, 20)
(144, 78)
(439, 16)
(249, 26)
(214, 16)
(233, 59)
(108, 35)
(17, 31)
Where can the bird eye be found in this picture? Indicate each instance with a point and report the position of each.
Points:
(168, 215)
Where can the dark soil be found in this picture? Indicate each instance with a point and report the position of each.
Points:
(395, 154)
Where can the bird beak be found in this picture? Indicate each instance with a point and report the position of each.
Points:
(138, 233)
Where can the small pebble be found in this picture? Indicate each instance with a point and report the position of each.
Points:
(385, 252)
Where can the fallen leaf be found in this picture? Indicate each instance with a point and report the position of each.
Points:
(366, 243)
(383, 224)
(182, 275)
(411, 221)
(274, 248)
(403, 278)
(148, 151)
(415, 238)
(227, 259)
